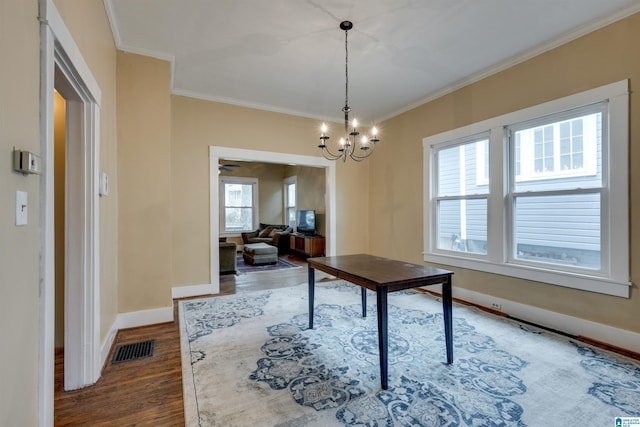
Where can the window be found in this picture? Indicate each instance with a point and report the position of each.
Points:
(555, 204)
(239, 204)
(461, 195)
(290, 201)
(565, 146)
(534, 194)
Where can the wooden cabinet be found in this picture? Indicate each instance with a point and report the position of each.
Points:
(307, 245)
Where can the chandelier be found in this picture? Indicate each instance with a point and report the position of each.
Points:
(348, 143)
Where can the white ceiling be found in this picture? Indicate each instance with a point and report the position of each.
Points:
(288, 55)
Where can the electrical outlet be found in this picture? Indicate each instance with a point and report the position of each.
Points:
(496, 306)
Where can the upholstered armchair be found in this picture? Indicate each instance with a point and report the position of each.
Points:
(227, 257)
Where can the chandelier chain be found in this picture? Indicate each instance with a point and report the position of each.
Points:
(346, 70)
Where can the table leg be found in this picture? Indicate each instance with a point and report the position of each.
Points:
(364, 302)
(383, 339)
(312, 280)
(448, 318)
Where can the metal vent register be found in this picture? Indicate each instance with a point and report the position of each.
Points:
(138, 350)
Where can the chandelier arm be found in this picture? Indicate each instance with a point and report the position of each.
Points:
(361, 158)
(325, 151)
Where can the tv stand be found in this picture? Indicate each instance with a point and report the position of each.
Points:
(307, 245)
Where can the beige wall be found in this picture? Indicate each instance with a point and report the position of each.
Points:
(20, 127)
(59, 159)
(196, 125)
(144, 169)
(602, 57)
(311, 192)
(19, 246)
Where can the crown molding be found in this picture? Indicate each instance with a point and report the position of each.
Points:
(520, 58)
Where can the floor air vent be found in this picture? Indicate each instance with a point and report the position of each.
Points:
(138, 350)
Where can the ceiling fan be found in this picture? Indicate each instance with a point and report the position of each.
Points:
(227, 167)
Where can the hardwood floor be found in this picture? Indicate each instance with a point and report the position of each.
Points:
(148, 392)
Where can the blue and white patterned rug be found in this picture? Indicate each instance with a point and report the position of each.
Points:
(249, 360)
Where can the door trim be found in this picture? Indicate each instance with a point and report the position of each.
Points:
(63, 66)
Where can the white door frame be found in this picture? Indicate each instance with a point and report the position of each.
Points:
(216, 153)
(63, 68)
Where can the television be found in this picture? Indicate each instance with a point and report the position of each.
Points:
(306, 221)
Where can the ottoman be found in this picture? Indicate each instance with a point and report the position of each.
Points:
(260, 253)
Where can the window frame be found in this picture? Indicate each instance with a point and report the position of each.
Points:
(512, 193)
(527, 171)
(222, 205)
(613, 279)
(292, 180)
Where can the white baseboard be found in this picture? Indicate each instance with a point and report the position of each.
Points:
(622, 338)
(144, 317)
(149, 317)
(192, 291)
(132, 320)
(107, 344)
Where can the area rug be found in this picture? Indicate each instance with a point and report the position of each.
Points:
(249, 360)
(244, 268)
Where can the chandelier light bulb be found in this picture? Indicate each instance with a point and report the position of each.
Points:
(355, 123)
(342, 142)
(324, 128)
(374, 131)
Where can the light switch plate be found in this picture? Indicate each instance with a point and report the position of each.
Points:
(22, 212)
(104, 184)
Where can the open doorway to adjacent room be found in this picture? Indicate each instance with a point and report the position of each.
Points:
(314, 173)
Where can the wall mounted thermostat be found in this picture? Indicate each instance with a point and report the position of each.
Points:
(26, 162)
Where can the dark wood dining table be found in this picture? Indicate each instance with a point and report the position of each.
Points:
(383, 275)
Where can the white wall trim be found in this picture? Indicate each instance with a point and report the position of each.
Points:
(150, 317)
(65, 40)
(245, 104)
(627, 340)
(520, 58)
(46, 315)
(135, 319)
(132, 320)
(82, 344)
(105, 348)
(192, 291)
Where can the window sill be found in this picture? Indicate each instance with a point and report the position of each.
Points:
(584, 282)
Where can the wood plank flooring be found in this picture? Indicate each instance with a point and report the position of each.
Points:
(148, 392)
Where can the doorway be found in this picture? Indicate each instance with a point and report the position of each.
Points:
(75, 217)
(217, 153)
